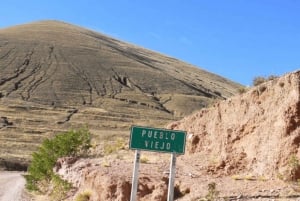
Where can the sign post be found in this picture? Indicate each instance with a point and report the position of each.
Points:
(171, 177)
(135, 175)
(156, 140)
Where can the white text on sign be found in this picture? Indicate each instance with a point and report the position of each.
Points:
(153, 144)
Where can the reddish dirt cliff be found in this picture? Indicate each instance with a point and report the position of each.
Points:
(256, 132)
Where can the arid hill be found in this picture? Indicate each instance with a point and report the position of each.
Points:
(55, 76)
(247, 145)
(59, 64)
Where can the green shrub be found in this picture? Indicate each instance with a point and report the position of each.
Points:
(59, 188)
(71, 143)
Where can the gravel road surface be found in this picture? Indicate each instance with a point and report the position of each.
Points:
(11, 186)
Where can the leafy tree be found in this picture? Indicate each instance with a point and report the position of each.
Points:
(71, 143)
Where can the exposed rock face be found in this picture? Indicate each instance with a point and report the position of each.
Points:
(112, 182)
(256, 132)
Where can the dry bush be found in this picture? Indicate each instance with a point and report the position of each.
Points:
(84, 196)
(258, 80)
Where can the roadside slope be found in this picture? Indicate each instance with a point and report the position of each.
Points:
(247, 145)
(257, 132)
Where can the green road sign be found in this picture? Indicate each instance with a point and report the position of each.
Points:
(157, 140)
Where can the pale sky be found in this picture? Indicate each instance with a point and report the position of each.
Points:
(237, 39)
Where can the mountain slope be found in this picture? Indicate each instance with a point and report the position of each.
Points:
(56, 76)
(56, 63)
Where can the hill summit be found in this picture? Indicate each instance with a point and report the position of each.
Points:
(56, 76)
(55, 63)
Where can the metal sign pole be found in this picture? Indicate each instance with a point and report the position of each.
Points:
(157, 140)
(135, 176)
(172, 177)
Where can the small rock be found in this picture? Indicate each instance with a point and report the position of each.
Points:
(166, 172)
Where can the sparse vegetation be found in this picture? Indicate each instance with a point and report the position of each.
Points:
(212, 194)
(259, 79)
(40, 172)
(249, 177)
(84, 196)
(294, 165)
(111, 147)
(59, 187)
(262, 178)
(144, 159)
(272, 77)
(242, 90)
(236, 177)
(106, 164)
(280, 176)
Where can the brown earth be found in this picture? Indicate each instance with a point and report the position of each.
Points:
(56, 76)
(256, 132)
(247, 145)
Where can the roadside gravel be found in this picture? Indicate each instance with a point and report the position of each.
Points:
(12, 186)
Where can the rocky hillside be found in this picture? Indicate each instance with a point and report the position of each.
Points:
(257, 132)
(247, 145)
(56, 76)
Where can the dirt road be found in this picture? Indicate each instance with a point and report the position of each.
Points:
(11, 186)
